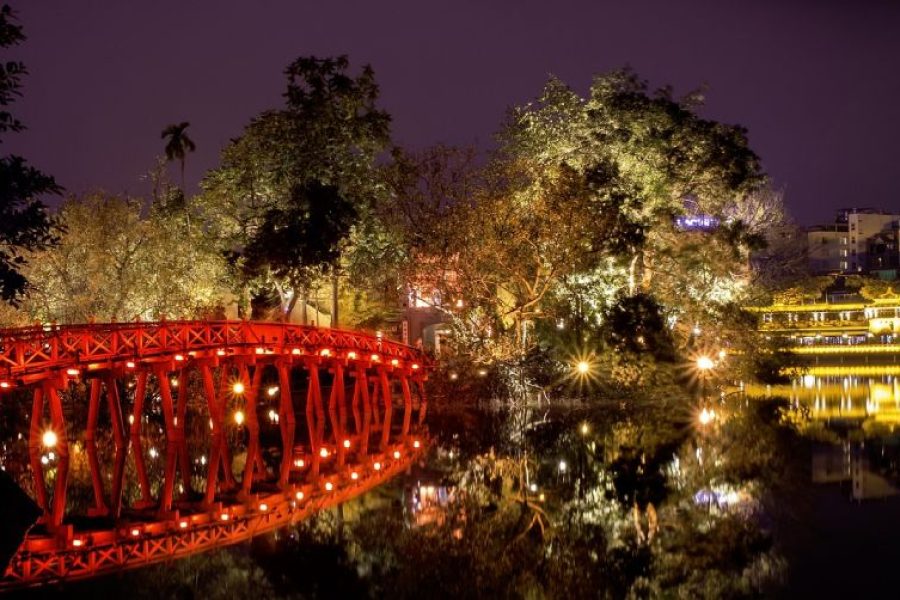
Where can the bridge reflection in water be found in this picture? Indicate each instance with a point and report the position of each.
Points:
(220, 390)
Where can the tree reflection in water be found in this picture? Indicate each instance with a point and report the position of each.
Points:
(649, 503)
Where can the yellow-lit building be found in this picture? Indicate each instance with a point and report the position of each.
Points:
(875, 322)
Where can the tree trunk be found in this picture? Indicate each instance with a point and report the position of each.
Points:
(304, 300)
(334, 300)
(245, 308)
(289, 307)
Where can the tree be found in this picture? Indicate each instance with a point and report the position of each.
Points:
(300, 242)
(114, 263)
(25, 225)
(328, 134)
(647, 158)
(178, 145)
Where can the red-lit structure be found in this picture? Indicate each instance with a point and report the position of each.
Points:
(351, 439)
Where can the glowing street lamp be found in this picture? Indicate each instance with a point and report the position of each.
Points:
(705, 363)
(706, 416)
(49, 439)
(583, 367)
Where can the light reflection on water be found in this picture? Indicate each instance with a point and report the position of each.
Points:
(854, 419)
(844, 397)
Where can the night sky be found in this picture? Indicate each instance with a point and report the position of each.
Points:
(816, 82)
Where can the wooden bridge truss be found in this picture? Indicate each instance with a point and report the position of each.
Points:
(351, 439)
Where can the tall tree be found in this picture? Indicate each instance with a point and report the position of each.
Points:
(24, 223)
(178, 144)
(327, 135)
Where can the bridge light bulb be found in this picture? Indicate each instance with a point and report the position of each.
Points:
(375, 358)
(220, 352)
(377, 466)
(351, 355)
(346, 443)
(183, 524)
(130, 364)
(299, 496)
(135, 532)
(354, 475)
(416, 444)
(395, 362)
(323, 453)
(329, 486)
(272, 390)
(238, 388)
(77, 542)
(415, 366)
(72, 372)
(396, 454)
(263, 507)
(239, 417)
(49, 439)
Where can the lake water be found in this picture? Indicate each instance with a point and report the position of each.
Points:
(784, 491)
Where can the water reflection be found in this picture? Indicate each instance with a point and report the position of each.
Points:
(853, 420)
(840, 397)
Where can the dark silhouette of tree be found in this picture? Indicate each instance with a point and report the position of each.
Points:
(303, 240)
(178, 144)
(25, 225)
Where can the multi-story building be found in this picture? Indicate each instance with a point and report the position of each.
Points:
(859, 241)
(828, 250)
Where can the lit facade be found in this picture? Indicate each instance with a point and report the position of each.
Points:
(860, 240)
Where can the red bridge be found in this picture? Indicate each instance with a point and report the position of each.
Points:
(208, 392)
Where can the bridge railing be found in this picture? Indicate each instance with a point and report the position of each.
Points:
(34, 350)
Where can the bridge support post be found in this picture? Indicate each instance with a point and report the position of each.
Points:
(388, 408)
(114, 403)
(62, 452)
(100, 508)
(254, 463)
(140, 465)
(287, 420)
(407, 406)
(34, 450)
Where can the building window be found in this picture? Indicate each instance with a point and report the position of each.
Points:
(844, 241)
(844, 264)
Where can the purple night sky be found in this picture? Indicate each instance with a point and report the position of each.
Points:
(816, 82)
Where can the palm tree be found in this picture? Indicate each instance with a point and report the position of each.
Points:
(178, 144)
